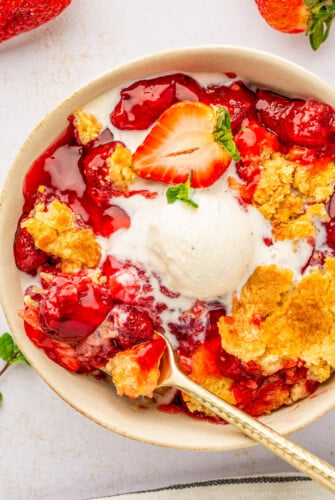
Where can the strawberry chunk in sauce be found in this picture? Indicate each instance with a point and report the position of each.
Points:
(73, 306)
(98, 185)
(131, 325)
(27, 257)
(145, 100)
(237, 98)
(61, 353)
(97, 349)
(252, 141)
(296, 122)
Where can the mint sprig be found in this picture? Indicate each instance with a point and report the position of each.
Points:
(181, 192)
(9, 353)
(223, 134)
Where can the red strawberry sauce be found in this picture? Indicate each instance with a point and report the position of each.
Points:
(60, 170)
(70, 308)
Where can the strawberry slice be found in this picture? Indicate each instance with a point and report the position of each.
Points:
(188, 138)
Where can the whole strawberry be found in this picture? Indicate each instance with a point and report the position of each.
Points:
(314, 17)
(18, 16)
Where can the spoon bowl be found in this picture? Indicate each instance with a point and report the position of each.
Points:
(298, 457)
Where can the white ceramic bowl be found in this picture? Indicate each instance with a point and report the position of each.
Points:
(97, 400)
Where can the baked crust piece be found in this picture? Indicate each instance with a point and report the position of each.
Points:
(294, 321)
(87, 126)
(55, 230)
(120, 171)
(292, 196)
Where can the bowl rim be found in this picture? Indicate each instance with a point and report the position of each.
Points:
(133, 64)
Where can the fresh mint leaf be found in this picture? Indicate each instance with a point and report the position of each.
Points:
(19, 357)
(223, 134)
(181, 192)
(10, 353)
(7, 347)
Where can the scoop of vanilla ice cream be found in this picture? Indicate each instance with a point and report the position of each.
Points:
(202, 252)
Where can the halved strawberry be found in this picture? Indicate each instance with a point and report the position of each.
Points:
(189, 138)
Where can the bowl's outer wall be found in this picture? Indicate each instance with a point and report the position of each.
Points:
(94, 399)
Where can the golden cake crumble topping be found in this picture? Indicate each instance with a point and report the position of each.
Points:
(316, 183)
(283, 190)
(120, 171)
(87, 126)
(273, 196)
(128, 375)
(55, 230)
(290, 195)
(275, 320)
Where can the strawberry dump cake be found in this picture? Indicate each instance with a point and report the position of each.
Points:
(199, 207)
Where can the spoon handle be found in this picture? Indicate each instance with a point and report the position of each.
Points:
(298, 457)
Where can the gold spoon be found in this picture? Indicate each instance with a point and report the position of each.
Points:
(295, 455)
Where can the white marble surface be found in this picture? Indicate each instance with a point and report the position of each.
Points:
(47, 450)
